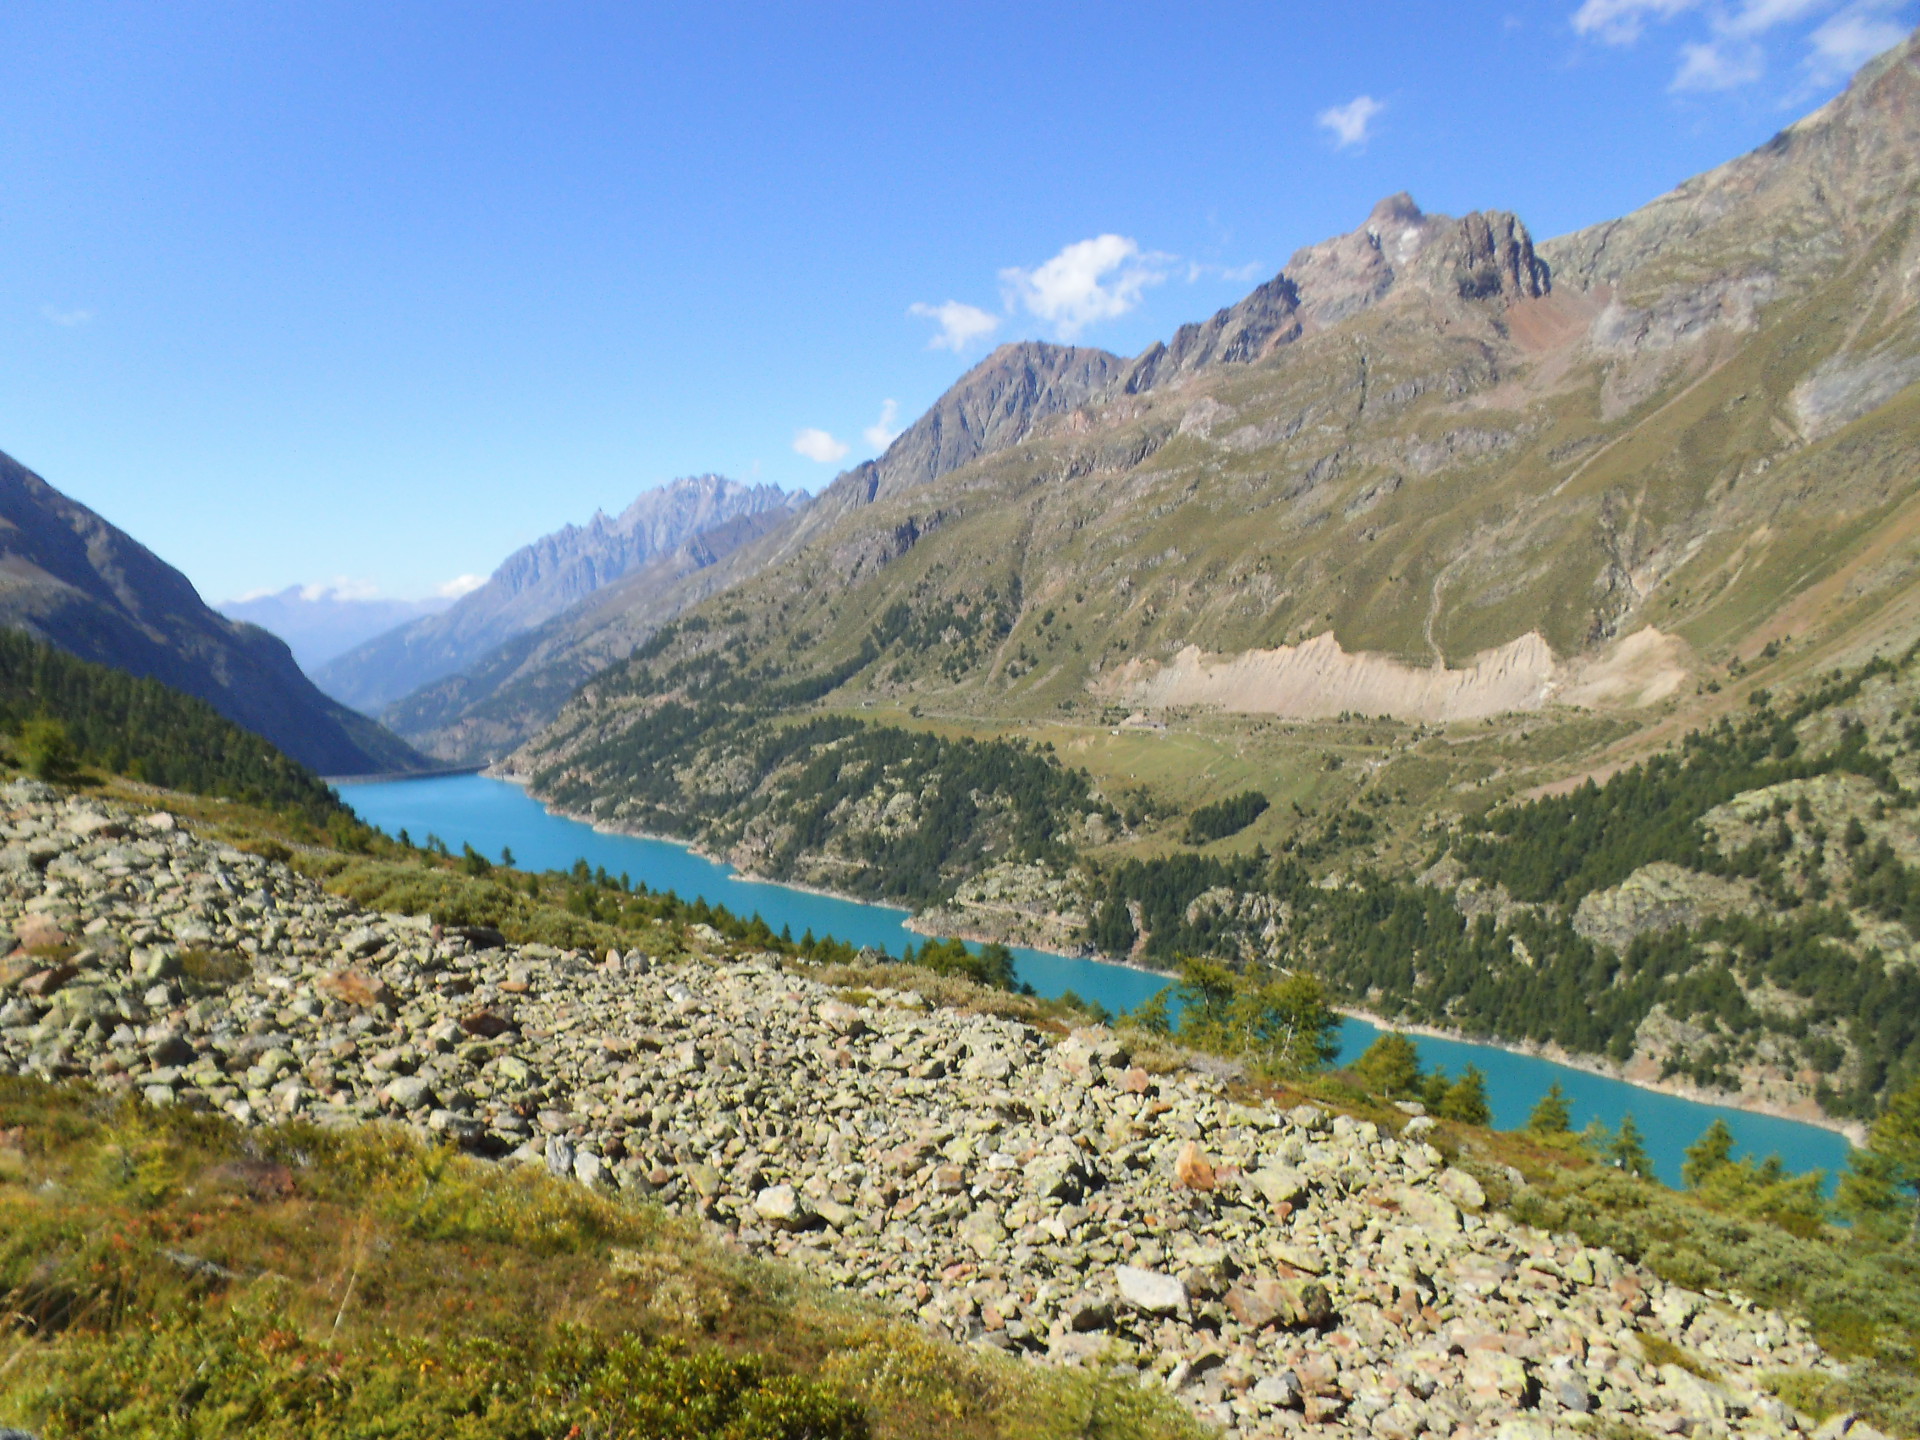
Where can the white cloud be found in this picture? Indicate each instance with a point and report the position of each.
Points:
(1850, 39)
(960, 325)
(1352, 123)
(819, 445)
(66, 318)
(341, 587)
(881, 433)
(1090, 280)
(1732, 54)
(1620, 22)
(1722, 64)
(1756, 17)
(460, 585)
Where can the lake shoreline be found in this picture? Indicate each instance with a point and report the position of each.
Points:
(1599, 1068)
(1853, 1130)
(749, 877)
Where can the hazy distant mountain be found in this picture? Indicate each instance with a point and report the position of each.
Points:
(514, 690)
(69, 578)
(319, 623)
(539, 581)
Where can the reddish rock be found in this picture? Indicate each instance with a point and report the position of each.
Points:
(1251, 1308)
(1192, 1168)
(352, 987)
(487, 1024)
(38, 932)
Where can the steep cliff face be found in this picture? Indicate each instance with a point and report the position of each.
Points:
(73, 580)
(539, 581)
(991, 408)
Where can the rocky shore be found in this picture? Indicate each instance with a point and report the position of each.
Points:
(1279, 1271)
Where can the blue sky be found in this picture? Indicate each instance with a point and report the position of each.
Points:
(381, 291)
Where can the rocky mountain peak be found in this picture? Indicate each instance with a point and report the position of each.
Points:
(994, 406)
(1396, 211)
(1486, 255)
(541, 579)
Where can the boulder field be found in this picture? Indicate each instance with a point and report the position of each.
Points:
(1278, 1270)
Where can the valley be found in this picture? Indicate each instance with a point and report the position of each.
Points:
(1354, 870)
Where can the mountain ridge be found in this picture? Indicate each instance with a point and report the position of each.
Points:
(537, 582)
(319, 623)
(73, 580)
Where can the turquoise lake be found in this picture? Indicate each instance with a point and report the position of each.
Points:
(492, 815)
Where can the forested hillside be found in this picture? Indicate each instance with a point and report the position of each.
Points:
(61, 715)
(70, 578)
(873, 810)
(1743, 911)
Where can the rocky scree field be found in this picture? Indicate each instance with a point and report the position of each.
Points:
(1003, 1185)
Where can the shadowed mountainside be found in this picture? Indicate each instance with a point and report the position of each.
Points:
(69, 578)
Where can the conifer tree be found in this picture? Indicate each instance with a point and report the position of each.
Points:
(1628, 1151)
(1552, 1116)
(1881, 1189)
(1712, 1150)
(1390, 1066)
(1466, 1099)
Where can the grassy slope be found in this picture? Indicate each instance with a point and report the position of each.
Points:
(170, 1275)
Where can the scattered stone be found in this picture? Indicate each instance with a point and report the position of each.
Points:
(781, 1206)
(409, 1092)
(1192, 1168)
(351, 987)
(1463, 1190)
(1150, 1292)
(1002, 1186)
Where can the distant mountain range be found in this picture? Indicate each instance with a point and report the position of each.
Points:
(319, 623)
(69, 578)
(539, 581)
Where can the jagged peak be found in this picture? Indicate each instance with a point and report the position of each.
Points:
(1485, 256)
(1397, 209)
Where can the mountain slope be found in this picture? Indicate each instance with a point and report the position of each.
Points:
(498, 701)
(69, 578)
(1475, 483)
(142, 729)
(514, 690)
(538, 582)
